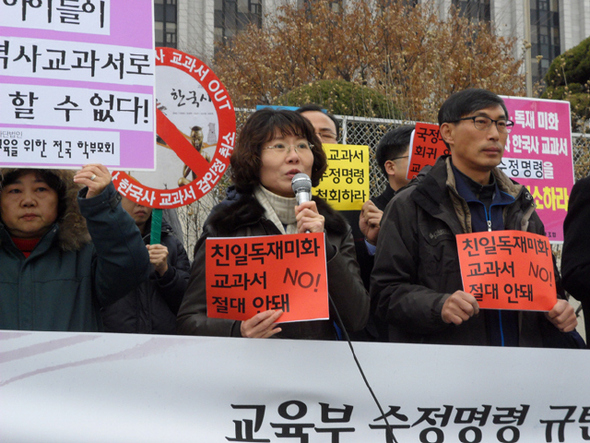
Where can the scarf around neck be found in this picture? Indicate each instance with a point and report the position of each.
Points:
(279, 210)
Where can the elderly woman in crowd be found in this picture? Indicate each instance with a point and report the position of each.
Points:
(272, 147)
(64, 251)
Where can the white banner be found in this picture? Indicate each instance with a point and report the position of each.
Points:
(141, 388)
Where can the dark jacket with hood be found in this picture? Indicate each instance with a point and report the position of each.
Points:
(151, 308)
(243, 216)
(417, 265)
(92, 256)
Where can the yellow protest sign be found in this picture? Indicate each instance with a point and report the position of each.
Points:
(345, 184)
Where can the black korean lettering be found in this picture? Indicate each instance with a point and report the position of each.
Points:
(560, 424)
(246, 428)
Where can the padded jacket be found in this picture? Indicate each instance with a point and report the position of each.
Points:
(242, 215)
(90, 258)
(151, 308)
(417, 266)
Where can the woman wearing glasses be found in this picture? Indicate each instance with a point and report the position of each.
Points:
(272, 147)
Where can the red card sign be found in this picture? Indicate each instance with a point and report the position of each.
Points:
(248, 275)
(427, 146)
(508, 270)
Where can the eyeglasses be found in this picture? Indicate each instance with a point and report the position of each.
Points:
(482, 123)
(285, 149)
(327, 136)
(397, 158)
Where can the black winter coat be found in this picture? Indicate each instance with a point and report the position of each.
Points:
(152, 307)
(575, 261)
(417, 265)
(241, 216)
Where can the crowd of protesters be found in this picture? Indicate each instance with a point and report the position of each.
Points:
(76, 256)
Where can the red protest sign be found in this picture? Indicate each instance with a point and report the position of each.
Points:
(426, 146)
(248, 275)
(196, 128)
(508, 270)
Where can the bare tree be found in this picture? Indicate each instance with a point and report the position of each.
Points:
(405, 52)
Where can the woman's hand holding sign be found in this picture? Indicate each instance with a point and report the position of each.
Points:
(262, 325)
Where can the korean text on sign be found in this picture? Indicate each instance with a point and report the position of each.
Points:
(508, 270)
(427, 145)
(345, 184)
(248, 275)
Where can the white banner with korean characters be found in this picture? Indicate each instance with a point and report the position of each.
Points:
(129, 388)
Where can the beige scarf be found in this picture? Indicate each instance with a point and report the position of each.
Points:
(279, 210)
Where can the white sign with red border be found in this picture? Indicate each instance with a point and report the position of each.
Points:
(196, 127)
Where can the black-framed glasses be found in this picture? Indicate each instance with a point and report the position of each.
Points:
(482, 123)
(397, 158)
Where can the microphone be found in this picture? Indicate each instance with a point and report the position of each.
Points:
(301, 185)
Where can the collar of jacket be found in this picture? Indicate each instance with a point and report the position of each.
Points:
(436, 192)
(239, 210)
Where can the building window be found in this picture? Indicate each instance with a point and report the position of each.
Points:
(231, 16)
(335, 5)
(544, 35)
(165, 23)
(477, 10)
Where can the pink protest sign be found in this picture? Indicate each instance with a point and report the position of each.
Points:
(77, 84)
(538, 155)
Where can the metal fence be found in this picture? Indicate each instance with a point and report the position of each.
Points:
(354, 131)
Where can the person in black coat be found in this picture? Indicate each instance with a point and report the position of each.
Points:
(575, 261)
(152, 307)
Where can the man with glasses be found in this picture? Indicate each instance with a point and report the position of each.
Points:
(416, 278)
(326, 126)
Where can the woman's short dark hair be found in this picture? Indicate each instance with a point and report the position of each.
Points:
(260, 128)
(52, 180)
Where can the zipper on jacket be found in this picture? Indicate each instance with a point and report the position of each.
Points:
(489, 223)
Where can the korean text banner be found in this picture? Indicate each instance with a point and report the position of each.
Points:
(248, 275)
(80, 387)
(77, 83)
(538, 155)
(508, 270)
(345, 184)
(426, 146)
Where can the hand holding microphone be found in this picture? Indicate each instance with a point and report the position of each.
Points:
(306, 211)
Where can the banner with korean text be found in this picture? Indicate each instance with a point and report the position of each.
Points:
(345, 184)
(539, 155)
(248, 275)
(508, 270)
(77, 83)
(80, 387)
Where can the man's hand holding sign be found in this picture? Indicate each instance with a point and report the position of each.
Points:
(510, 270)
